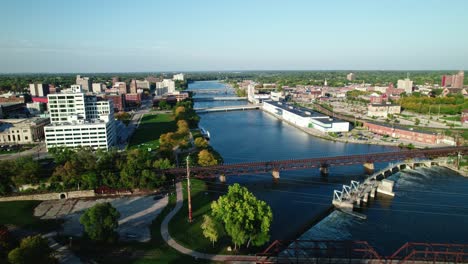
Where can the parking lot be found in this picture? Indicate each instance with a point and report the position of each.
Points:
(136, 214)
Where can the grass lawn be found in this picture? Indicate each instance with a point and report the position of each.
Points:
(452, 118)
(20, 213)
(151, 127)
(190, 234)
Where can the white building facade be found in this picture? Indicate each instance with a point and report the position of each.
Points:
(306, 118)
(80, 120)
(179, 77)
(22, 131)
(168, 84)
(406, 85)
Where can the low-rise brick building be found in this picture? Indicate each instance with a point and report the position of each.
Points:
(404, 133)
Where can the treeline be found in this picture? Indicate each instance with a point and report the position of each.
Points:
(17, 82)
(84, 168)
(450, 105)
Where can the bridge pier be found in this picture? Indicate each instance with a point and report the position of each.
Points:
(276, 174)
(222, 178)
(366, 197)
(324, 169)
(369, 167)
(386, 187)
(372, 192)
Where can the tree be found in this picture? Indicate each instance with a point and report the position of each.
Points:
(5, 177)
(210, 228)
(417, 121)
(26, 171)
(6, 242)
(179, 112)
(182, 128)
(100, 222)
(201, 143)
(245, 218)
(162, 164)
(206, 158)
(33, 249)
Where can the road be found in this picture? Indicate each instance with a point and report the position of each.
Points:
(38, 152)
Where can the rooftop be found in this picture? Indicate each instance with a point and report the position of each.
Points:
(301, 111)
(402, 128)
(7, 123)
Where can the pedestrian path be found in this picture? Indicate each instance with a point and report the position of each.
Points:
(62, 253)
(197, 255)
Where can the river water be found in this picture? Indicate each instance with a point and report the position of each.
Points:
(429, 206)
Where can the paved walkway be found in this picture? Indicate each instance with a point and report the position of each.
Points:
(198, 255)
(62, 253)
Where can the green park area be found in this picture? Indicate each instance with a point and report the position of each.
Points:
(152, 126)
(20, 214)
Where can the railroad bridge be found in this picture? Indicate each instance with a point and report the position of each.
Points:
(323, 163)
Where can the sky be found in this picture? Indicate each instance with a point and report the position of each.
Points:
(224, 35)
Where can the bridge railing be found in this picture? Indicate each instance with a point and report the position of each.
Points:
(346, 251)
(268, 166)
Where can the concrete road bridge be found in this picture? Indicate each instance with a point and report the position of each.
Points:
(323, 163)
(220, 98)
(228, 108)
(211, 91)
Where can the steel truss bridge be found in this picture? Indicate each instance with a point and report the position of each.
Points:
(322, 162)
(316, 251)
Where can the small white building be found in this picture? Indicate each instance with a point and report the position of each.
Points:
(179, 77)
(382, 110)
(276, 96)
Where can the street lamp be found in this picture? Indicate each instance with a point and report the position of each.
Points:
(189, 198)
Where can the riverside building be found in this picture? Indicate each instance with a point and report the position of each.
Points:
(77, 120)
(307, 118)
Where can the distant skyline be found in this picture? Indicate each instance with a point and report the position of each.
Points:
(58, 36)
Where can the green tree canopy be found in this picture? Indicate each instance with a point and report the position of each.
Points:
(33, 249)
(100, 222)
(211, 228)
(206, 158)
(201, 143)
(246, 219)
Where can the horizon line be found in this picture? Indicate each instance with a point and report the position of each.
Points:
(231, 71)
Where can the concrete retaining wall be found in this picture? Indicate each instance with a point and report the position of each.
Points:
(49, 196)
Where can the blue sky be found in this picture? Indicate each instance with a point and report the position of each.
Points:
(216, 35)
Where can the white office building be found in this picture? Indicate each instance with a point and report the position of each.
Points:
(98, 87)
(85, 82)
(38, 89)
(80, 120)
(142, 84)
(166, 83)
(179, 77)
(406, 85)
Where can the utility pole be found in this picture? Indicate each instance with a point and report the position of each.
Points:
(188, 192)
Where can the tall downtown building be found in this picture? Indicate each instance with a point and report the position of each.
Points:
(454, 81)
(85, 83)
(77, 120)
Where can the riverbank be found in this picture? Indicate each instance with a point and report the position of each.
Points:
(322, 135)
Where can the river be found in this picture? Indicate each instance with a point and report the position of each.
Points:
(429, 205)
